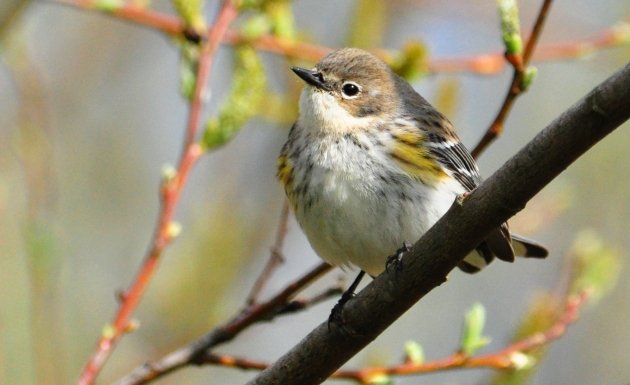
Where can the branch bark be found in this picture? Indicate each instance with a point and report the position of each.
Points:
(463, 227)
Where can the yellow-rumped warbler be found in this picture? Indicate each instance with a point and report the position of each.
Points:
(370, 164)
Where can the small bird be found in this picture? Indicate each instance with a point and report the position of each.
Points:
(370, 164)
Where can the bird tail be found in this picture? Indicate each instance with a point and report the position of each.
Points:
(497, 244)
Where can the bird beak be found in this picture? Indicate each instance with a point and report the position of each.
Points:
(311, 77)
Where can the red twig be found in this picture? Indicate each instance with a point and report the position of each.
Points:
(519, 62)
(143, 16)
(170, 193)
(483, 64)
(503, 359)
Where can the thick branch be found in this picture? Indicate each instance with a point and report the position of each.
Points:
(506, 192)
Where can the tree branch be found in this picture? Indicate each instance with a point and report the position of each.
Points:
(455, 234)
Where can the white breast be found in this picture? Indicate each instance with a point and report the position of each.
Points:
(356, 217)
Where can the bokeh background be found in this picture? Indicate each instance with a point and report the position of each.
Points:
(90, 112)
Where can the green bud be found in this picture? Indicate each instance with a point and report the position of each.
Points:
(108, 331)
(173, 229)
(109, 6)
(414, 352)
(528, 77)
(510, 26)
(522, 361)
(380, 379)
(168, 173)
(472, 336)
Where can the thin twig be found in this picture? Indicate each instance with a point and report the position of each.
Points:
(193, 352)
(275, 257)
(519, 63)
(170, 193)
(301, 304)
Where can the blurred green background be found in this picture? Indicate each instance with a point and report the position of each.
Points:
(90, 111)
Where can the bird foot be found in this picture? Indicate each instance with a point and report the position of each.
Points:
(395, 261)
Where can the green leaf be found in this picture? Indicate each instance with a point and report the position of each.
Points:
(472, 336)
(510, 26)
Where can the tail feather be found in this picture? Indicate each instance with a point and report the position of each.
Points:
(497, 245)
(527, 248)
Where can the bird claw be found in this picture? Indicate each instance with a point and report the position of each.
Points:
(336, 316)
(395, 261)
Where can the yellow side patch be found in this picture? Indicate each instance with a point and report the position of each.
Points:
(416, 161)
(410, 138)
(285, 170)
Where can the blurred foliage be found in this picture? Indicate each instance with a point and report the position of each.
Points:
(217, 247)
(369, 24)
(248, 86)
(542, 312)
(188, 64)
(191, 12)
(272, 16)
(447, 97)
(594, 268)
(597, 265)
(412, 61)
(30, 146)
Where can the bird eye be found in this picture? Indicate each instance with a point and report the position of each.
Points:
(350, 90)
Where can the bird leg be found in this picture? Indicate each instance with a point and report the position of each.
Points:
(335, 314)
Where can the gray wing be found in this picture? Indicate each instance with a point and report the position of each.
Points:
(456, 158)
